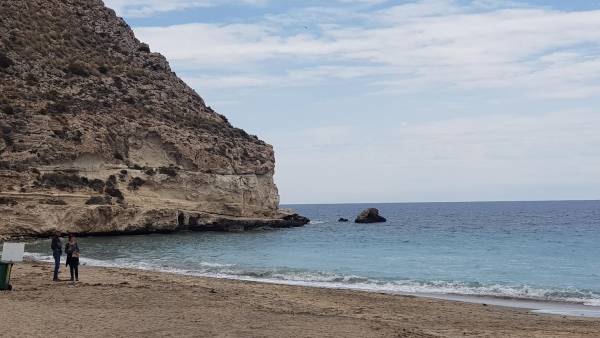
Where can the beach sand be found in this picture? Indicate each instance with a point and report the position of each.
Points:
(134, 303)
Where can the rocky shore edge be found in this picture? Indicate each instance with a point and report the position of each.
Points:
(160, 221)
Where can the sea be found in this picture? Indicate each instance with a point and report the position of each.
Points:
(544, 256)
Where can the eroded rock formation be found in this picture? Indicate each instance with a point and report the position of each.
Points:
(98, 135)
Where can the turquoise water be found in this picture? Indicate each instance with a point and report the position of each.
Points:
(528, 250)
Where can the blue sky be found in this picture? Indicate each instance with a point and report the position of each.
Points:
(392, 101)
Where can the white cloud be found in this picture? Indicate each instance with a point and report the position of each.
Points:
(291, 78)
(427, 43)
(144, 8)
(234, 81)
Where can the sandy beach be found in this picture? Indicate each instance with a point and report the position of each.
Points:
(134, 303)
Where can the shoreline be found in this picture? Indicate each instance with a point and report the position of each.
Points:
(545, 307)
(138, 302)
(541, 306)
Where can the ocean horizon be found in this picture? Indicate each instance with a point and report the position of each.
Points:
(530, 251)
(292, 205)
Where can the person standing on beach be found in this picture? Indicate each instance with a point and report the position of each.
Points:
(72, 250)
(56, 247)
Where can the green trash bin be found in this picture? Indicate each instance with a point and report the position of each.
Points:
(5, 269)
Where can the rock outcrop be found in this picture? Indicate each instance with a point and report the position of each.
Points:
(99, 136)
(370, 215)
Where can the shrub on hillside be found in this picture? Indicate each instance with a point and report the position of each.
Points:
(96, 184)
(7, 109)
(57, 108)
(112, 188)
(8, 137)
(53, 201)
(62, 181)
(70, 181)
(99, 200)
(8, 201)
(136, 183)
(78, 68)
(5, 61)
(103, 69)
(144, 48)
(169, 171)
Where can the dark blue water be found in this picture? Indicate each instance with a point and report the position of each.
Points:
(533, 250)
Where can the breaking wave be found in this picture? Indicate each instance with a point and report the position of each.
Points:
(332, 280)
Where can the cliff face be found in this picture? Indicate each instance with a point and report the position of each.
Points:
(98, 135)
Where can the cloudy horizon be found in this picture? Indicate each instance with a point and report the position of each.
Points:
(398, 101)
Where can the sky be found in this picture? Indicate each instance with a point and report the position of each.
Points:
(398, 101)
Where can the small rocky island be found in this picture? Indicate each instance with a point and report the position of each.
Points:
(99, 136)
(370, 215)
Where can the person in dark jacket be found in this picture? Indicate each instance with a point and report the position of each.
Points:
(56, 247)
(72, 251)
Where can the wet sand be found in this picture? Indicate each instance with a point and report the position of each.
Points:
(134, 303)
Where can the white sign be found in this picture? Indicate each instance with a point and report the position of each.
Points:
(13, 252)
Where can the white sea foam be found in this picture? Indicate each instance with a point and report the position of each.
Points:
(332, 280)
(215, 265)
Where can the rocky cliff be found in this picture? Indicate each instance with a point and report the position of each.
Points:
(98, 135)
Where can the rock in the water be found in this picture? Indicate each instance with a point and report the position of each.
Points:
(370, 215)
(89, 113)
(342, 219)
